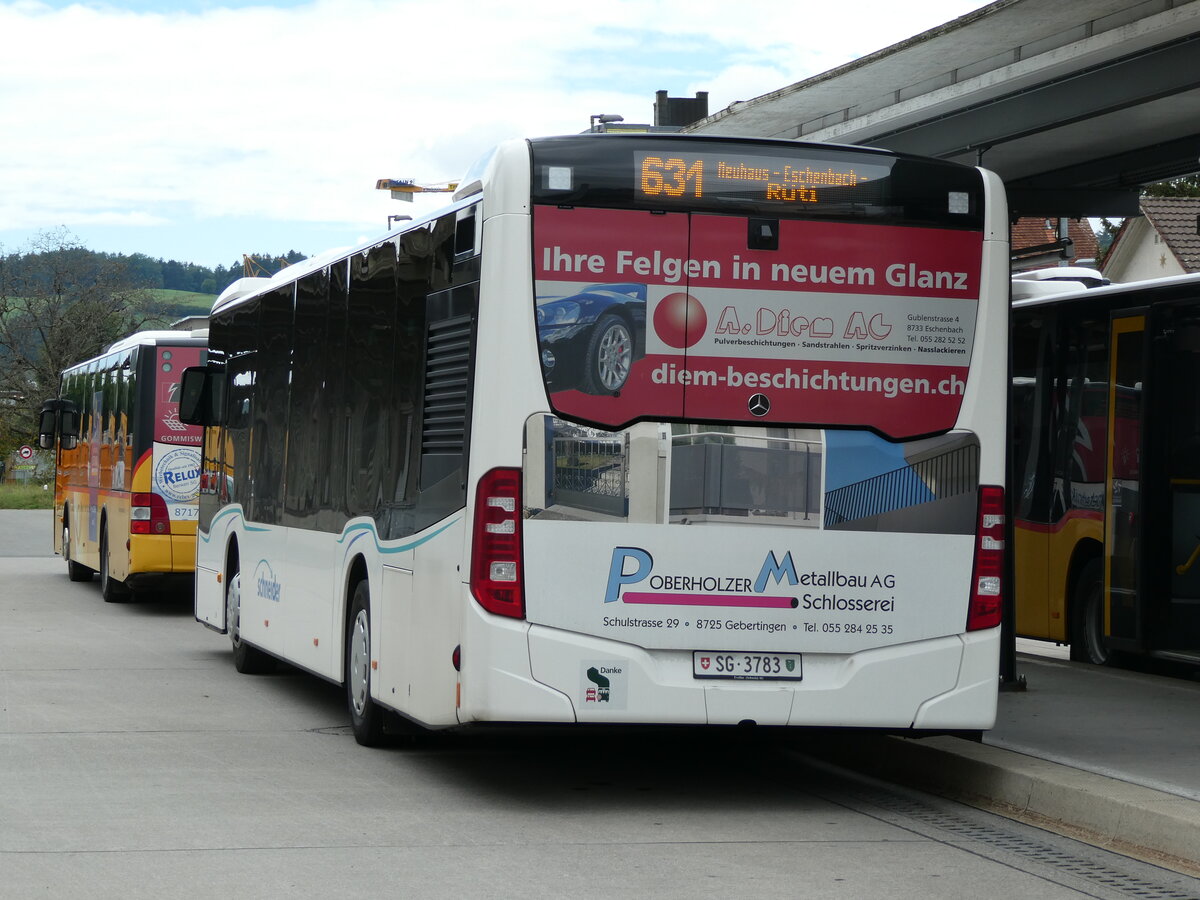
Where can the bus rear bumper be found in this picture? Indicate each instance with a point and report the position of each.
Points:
(942, 684)
(164, 582)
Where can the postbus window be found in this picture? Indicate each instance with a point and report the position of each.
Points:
(1184, 418)
(1030, 342)
(1078, 383)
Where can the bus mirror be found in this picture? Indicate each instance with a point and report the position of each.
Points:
(59, 419)
(48, 424)
(195, 396)
(68, 428)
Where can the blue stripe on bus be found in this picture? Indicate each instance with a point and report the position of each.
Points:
(362, 530)
(368, 529)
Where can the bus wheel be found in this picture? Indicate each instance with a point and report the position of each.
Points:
(75, 571)
(1087, 617)
(609, 357)
(246, 659)
(366, 718)
(111, 590)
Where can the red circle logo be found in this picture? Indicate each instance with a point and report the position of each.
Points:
(680, 320)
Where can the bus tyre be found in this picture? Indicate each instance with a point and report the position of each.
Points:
(246, 659)
(75, 571)
(1087, 617)
(111, 590)
(366, 717)
(609, 356)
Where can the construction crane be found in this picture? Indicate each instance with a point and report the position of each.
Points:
(254, 268)
(403, 189)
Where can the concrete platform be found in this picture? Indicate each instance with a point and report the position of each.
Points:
(1109, 756)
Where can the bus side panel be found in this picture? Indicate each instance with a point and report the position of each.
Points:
(310, 578)
(1064, 541)
(1030, 544)
(497, 682)
(419, 620)
(124, 549)
(210, 568)
(973, 701)
(1043, 558)
(264, 611)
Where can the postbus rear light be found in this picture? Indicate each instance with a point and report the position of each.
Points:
(148, 515)
(496, 576)
(986, 578)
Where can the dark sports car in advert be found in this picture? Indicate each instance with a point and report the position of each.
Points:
(590, 338)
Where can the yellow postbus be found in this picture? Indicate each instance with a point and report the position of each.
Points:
(127, 470)
(1106, 466)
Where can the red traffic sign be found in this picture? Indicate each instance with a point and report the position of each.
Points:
(26, 452)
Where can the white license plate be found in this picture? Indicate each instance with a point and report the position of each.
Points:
(746, 666)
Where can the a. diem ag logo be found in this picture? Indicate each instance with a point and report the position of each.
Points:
(680, 320)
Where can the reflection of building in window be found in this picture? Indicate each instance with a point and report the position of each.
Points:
(731, 474)
(940, 476)
(647, 474)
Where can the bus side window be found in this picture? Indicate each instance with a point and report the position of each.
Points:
(1029, 419)
(1183, 361)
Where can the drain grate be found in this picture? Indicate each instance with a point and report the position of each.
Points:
(1027, 848)
(943, 824)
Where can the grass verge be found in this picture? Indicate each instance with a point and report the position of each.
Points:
(15, 495)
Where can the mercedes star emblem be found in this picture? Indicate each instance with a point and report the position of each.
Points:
(759, 405)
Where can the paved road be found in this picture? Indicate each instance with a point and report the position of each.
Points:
(26, 532)
(134, 762)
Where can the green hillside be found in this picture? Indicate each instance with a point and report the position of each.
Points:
(165, 306)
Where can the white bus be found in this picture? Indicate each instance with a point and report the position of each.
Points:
(639, 429)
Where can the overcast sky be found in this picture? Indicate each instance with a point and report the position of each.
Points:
(199, 130)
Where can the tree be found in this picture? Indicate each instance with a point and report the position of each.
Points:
(59, 305)
(1187, 186)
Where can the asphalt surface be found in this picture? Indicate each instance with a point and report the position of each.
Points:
(26, 532)
(1103, 755)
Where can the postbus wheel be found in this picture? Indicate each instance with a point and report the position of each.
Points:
(1087, 617)
(366, 717)
(75, 571)
(246, 659)
(112, 590)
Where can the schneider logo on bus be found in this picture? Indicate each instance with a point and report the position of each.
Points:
(266, 585)
(634, 566)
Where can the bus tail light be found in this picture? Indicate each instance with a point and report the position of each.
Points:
(987, 579)
(497, 578)
(148, 515)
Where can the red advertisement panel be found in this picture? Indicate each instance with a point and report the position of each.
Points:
(169, 366)
(644, 315)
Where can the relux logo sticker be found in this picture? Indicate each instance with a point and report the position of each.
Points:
(177, 474)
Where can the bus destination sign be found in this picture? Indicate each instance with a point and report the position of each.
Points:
(760, 178)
